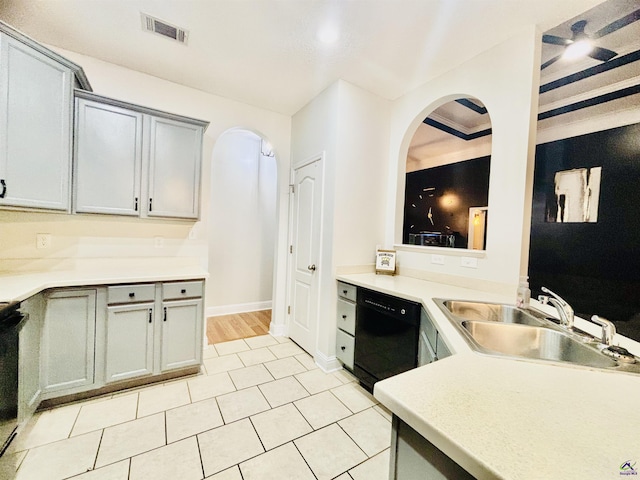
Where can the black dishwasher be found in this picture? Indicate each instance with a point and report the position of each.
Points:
(386, 340)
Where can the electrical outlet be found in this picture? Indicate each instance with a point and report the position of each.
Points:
(158, 242)
(469, 262)
(43, 240)
(437, 259)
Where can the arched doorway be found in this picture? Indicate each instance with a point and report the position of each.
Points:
(242, 224)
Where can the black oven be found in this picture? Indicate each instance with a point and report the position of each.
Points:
(386, 340)
(10, 322)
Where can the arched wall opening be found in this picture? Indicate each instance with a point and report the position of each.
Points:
(447, 177)
(243, 223)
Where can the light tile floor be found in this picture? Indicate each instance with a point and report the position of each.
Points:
(260, 410)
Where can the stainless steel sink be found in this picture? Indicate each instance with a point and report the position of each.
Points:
(492, 312)
(503, 329)
(535, 343)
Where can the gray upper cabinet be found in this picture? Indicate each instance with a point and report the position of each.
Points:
(175, 158)
(35, 123)
(133, 160)
(36, 111)
(108, 165)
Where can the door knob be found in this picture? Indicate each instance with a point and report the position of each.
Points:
(312, 268)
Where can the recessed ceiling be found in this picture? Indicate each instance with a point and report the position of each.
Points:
(267, 52)
(571, 91)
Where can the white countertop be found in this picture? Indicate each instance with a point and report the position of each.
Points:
(506, 418)
(18, 287)
(501, 418)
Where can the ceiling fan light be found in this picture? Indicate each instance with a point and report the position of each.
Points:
(578, 49)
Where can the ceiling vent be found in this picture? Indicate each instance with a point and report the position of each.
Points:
(160, 27)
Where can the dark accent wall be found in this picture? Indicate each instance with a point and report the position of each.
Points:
(467, 180)
(594, 266)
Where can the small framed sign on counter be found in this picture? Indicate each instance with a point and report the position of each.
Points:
(386, 262)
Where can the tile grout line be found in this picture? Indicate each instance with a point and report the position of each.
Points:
(304, 459)
(200, 455)
(95, 460)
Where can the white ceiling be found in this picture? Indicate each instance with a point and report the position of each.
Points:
(432, 146)
(266, 52)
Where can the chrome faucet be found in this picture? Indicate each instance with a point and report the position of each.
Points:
(608, 329)
(564, 309)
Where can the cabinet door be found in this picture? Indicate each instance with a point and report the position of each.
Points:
(182, 325)
(129, 337)
(35, 128)
(29, 358)
(175, 158)
(426, 354)
(108, 159)
(68, 340)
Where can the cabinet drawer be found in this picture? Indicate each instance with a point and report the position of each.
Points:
(131, 293)
(345, 345)
(347, 316)
(179, 290)
(347, 291)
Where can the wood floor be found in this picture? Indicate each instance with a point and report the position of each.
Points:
(238, 325)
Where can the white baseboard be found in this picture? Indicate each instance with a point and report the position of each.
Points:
(238, 308)
(278, 329)
(327, 364)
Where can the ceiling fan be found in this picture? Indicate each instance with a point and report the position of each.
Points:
(581, 44)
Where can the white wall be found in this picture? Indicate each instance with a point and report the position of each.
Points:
(78, 238)
(505, 79)
(242, 225)
(351, 127)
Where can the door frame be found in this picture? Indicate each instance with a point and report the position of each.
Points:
(319, 157)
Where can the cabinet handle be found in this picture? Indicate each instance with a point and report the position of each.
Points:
(136, 207)
(183, 291)
(344, 317)
(344, 292)
(150, 315)
(165, 314)
(132, 294)
(150, 204)
(343, 348)
(4, 188)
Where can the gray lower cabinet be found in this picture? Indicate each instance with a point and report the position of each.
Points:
(182, 327)
(29, 389)
(36, 99)
(68, 341)
(153, 328)
(78, 340)
(415, 458)
(133, 160)
(129, 341)
(431, 346)
(346, 322)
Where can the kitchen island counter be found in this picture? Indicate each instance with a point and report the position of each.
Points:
(511, 419)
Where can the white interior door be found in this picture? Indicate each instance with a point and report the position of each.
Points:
(304, 275)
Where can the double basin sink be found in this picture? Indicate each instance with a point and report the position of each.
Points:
(500, 329)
